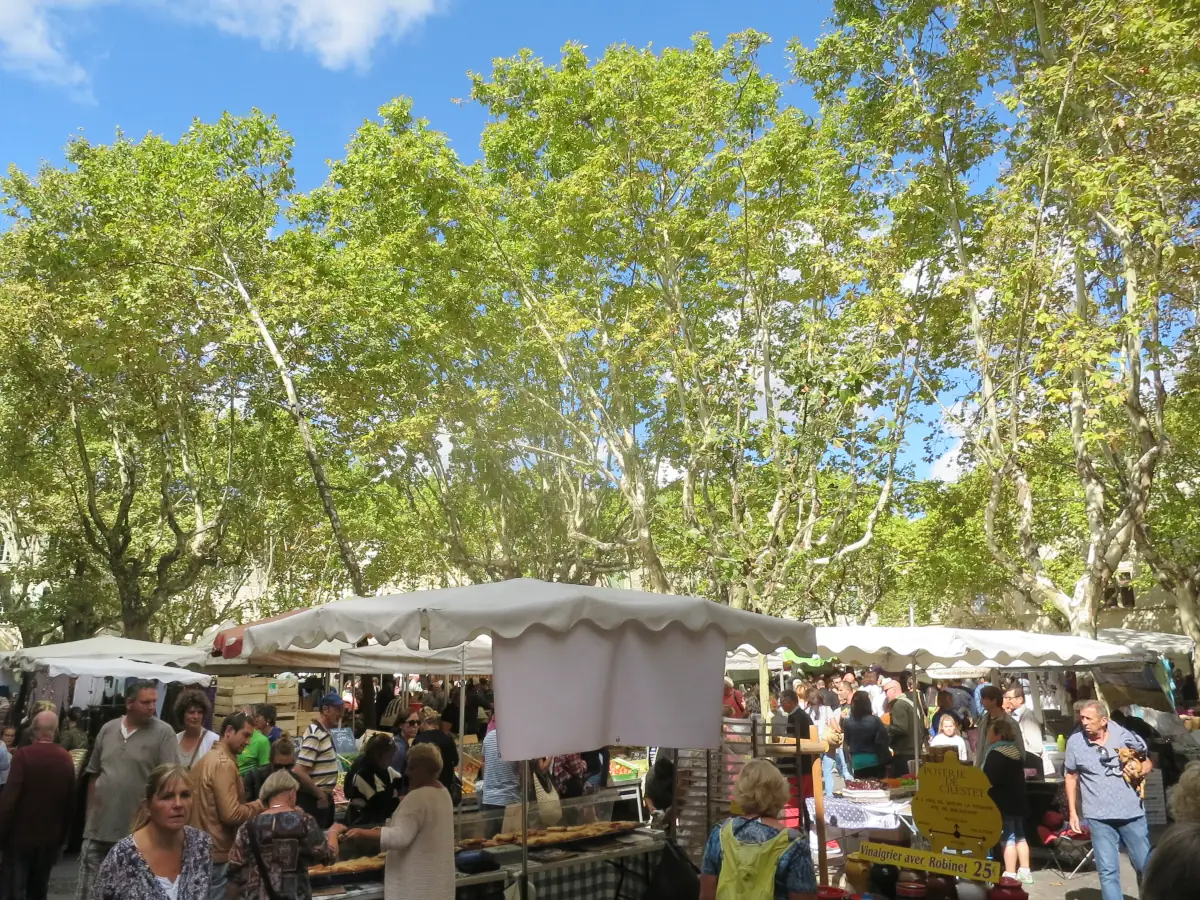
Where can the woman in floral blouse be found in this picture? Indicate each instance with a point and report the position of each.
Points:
(164, 858)
(284, 842)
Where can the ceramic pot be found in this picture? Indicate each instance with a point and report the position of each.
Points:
(858, 873)
(1007, 889)
(828, 892)
(940, 887)
(910, 890)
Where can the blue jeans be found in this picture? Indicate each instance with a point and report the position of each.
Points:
(828, 767)
(1107, 837)
(842, 766)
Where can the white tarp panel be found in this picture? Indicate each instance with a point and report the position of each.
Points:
(121, 668)
(589, 688)
(106, 647)
(508, 608)
(475, 655)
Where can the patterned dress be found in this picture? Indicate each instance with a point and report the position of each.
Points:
(124, 874)
(290, 842)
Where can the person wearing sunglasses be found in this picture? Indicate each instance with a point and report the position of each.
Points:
(283, 758)
(405, 732)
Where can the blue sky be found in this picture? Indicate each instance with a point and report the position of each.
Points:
(322, 66)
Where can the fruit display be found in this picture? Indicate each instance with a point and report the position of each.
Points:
(621, 770)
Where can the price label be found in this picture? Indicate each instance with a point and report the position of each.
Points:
(970, 867)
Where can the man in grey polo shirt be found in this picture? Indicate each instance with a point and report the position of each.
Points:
(1113, 809)
(127, 750)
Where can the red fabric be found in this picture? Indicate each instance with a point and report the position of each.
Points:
(734, 699)
(228, 643)
(38, 800)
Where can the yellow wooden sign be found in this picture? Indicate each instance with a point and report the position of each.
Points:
(953, 810)
(973, 868)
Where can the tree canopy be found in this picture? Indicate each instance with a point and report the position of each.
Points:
(667, 329)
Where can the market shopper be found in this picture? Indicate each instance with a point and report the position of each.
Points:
(866, 739)
(874, 691)
(948, 736)
(904, 731)
(282, 842)
(945, 707)
(372, 785)
(283, 757)
(753, 854)
(734, 699)
(128, 749)
(407, 730)
(36, 810)
(264, 722)
(828, 730)
(431, 733)
(1030, 725)
(419, 839)
(501, 784)
(191, 709)
(220, 804)
(257, 752)
(1107, 783)
(992, 700)
(72, 736)
(1184, 797)
(164, 856)
(1004, 766)
(317, 762)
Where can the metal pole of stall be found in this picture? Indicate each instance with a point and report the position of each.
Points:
(525, 780)
(920, 713)
(462, 712)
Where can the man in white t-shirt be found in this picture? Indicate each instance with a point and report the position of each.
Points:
(873, 690)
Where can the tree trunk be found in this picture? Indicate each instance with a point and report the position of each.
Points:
(1081, 610)
(345, 551)
(1187, 603)
(135, 623)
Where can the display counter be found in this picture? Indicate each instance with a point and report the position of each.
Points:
(611, 866)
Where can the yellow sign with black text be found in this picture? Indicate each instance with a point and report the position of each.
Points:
(953, 809)
(969, 867)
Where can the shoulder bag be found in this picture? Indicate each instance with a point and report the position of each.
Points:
(265, 875)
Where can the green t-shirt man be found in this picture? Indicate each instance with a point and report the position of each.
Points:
(257, 753)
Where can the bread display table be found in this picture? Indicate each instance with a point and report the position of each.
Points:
(618, 867)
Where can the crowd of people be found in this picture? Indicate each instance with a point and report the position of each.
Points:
(243, 810)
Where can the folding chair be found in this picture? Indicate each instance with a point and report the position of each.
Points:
(1065, 852)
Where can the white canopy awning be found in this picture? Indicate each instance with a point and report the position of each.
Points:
(893, 648)
(508, 609)
(1178, 647)
(106, 647)
(121, 668)
(474, 658)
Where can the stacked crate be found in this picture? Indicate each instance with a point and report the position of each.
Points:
(284, 695)
(235, 693)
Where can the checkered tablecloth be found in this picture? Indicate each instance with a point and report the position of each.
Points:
(850, 815)
(598, 879)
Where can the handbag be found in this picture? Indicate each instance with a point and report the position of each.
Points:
(262, 866)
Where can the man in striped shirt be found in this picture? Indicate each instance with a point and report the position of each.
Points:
(317, 763)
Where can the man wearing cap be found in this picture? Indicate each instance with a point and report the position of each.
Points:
(317, 764)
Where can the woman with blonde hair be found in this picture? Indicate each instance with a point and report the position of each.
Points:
(1184, 798)
(272, 853)
(164, 857)
(419, 839)
(753, 854)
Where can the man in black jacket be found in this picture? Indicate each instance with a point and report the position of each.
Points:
(798, 727)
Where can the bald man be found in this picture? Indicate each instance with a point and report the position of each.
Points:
(35, 812)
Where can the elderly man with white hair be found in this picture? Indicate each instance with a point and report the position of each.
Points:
(35, 812)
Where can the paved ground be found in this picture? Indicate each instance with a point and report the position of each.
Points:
(1049, 885)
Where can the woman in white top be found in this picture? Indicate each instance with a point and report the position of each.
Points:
(192, 708)
(948, 736)
(419, 839)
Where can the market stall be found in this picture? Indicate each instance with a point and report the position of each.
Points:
(660, 659)
(105, 647)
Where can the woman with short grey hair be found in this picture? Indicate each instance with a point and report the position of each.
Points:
(272, 853)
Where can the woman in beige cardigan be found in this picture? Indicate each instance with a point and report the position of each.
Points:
(419, 839)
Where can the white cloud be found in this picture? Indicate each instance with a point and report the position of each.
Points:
(339, 33)
(948, 467)
(31, 43)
